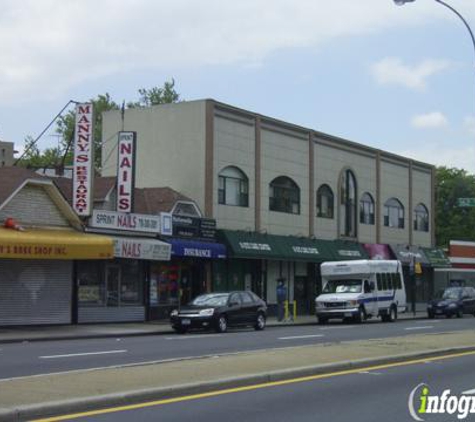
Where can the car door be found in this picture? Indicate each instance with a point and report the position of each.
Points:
(234, 311)
(249, 308)
(469, 300)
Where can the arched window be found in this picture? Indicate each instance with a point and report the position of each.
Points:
(393, 213)
(367, 209)
(421, 218)
(233, 187)
(325, 202)
(348, 204)
(284, 195)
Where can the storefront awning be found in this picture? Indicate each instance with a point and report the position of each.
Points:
(403, 253)
(195, 249)
(243, 244)
(436, 257)
(141, 248)
(378, 251)
(347, 249)
(53, 244)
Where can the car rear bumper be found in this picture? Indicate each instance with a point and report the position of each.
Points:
(191, 322)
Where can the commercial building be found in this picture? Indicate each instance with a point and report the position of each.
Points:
(268, 182)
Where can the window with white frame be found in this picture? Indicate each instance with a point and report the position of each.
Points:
(367, 209)
(421, 218)
(394, 213)
(284, 195)
(324, 202)
(233, 187)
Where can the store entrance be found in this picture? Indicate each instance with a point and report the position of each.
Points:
(192, 281)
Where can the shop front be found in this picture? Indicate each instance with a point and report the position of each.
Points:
(121, 289)
(37, 267)
(258, 260)
(188, 274)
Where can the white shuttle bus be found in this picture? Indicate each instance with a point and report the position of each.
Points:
(361, 289)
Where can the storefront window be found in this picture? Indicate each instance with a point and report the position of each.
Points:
(131, 284)
(111, 284)
(164, 284)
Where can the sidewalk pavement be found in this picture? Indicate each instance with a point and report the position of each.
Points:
(78, 391)
(58, 332)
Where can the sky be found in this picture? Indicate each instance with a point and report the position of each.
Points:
(396, 78)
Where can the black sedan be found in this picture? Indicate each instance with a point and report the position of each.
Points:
(219, 311)
(452, 301)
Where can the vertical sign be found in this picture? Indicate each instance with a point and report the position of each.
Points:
(126, 171)
(83, 160)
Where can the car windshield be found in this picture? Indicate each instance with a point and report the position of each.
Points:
(343, 286)
(210, 300)
(449, 294)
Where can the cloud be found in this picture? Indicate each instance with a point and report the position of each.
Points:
(392, 71)
(439, 154)
(430, 120)
(469, 124)
(49, 46)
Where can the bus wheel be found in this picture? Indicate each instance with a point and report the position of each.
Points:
(392, 315)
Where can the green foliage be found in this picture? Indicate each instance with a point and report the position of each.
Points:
(451, 221)
(156, 95)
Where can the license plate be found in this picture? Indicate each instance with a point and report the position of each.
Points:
(185, 321)
(438, 311)
(348, 314)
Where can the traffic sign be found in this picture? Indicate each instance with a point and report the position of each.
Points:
(466, 202)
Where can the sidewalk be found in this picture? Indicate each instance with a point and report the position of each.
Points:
(59, 332)
(79, 391)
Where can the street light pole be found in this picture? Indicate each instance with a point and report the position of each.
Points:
(448, 6)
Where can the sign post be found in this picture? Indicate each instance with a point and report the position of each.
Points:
(466, 202)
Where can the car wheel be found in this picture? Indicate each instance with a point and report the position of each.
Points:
(430, 315)
(361, 316)
(460, 313)
(260, 322)
(222, 325)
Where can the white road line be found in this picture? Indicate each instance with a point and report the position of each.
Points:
(370, 373)
(427, 327)
(194, 337)
(106, 352)
(469, 392)
(337, 328)
(299, 337)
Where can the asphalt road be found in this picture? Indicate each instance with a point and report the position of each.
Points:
(25, 359)
(361, 395)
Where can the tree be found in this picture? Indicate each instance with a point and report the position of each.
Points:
(156, 95)
(453, 222)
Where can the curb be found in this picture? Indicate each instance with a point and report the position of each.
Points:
(50, 409)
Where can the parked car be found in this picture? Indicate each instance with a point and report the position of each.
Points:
(219, 311)
(452, 301)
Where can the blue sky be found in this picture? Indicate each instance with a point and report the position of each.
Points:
(401, 79)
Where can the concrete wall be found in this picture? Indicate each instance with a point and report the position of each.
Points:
(170, 146)
(6, 154)
(284, 153)
(395, 184)
(234, 145)
(421, 193)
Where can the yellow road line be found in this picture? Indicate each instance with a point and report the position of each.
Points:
(249, 388)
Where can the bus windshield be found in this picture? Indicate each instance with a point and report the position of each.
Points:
(343, 286)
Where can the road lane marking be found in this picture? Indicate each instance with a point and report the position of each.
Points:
(426, 327)
(71, 355)
(299, 337)
(336, 328)
(247, 388)
(370, 373)
(192, 337)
